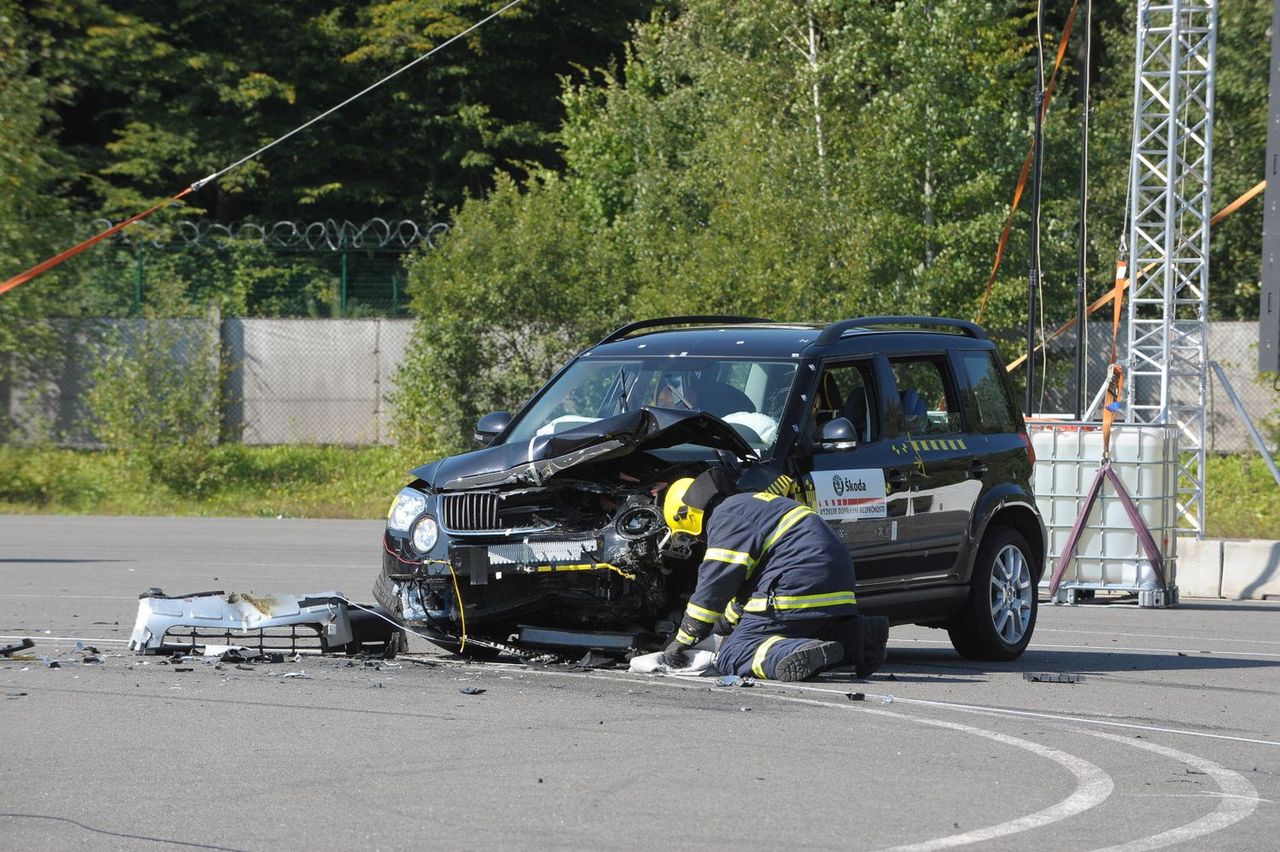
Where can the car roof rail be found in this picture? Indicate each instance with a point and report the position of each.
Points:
(709, 319)
(836, 330)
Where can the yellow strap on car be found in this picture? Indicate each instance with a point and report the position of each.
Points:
(789, 520)
(757, 663)
(781, 602)
(701, 613)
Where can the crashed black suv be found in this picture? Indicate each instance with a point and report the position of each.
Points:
(900, 431)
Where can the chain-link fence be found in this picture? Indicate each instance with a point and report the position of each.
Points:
(1233, 345)
(326, 381)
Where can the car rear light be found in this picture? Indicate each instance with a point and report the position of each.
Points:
(1031, 450)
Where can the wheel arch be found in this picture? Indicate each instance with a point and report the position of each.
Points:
(1016, 510)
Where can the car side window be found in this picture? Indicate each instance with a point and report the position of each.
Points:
(847, 390)
(929, 405)
(988, 402)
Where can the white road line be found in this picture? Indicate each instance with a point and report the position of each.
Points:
(66, 638)
(58, 595)
(1005, 711)
(1093, 785)
(1238, 801)
(1107, 649)
(1127, 634)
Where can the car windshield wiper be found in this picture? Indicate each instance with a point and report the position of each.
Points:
(622, 389)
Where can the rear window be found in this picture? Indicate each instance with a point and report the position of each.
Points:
(989, 405)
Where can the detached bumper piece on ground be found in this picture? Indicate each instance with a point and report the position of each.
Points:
(320, 622)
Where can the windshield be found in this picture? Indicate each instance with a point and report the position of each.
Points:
(748, 395)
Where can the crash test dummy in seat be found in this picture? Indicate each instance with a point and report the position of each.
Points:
(775, 578)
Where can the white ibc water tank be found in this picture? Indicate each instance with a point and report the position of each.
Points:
(1109, 554)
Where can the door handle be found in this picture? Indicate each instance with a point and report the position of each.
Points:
(977, 468)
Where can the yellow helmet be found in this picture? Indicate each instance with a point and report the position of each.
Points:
(679, 515)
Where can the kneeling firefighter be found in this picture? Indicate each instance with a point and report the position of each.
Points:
(776, 579)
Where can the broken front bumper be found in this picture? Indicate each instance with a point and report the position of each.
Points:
(265, 623)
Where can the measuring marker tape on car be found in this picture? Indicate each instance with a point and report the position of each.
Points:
(901, 432)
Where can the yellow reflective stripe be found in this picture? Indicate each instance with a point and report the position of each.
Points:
(700, 614)
(801, 601)
(733, 557)
(789, 520)
(686, 638)
(811, 601)
(765, 496)
(757, 663)
(732, 614)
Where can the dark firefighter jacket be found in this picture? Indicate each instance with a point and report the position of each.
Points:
(768, 554)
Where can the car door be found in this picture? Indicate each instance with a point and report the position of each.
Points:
(846, 484)
(925, 432)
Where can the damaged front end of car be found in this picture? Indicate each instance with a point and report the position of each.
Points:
(552, 543)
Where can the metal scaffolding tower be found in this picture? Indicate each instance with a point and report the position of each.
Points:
(1170, 176)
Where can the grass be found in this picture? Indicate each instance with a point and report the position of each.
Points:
(1241, 500)
(284, 481)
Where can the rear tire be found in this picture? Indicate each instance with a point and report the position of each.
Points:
(1000, 613)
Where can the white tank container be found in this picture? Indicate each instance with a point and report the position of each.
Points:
(1109, 554)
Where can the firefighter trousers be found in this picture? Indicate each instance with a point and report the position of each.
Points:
(759, 642)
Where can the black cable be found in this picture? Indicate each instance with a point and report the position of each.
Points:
(1082, 332)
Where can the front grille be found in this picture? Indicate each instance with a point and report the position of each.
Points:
(469, 512)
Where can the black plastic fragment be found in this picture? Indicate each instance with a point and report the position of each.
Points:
(16, 647)
(856, 696)
(471, 690)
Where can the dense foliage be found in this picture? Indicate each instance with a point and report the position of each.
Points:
(804, 160)
(598, 161)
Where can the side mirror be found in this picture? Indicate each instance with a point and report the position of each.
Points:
(490, 425)
(838, 434)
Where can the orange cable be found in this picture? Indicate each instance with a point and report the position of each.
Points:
(1026, 164)
(39, 268)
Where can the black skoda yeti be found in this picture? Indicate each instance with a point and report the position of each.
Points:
(900, 431)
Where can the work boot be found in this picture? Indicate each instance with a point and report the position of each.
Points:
(875, 636)
(809, 659)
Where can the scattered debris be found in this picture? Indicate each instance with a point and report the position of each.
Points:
(13, 695)
(183, 669)
(593, 660)
(91, 659)
(86, 647)
(246, 668)
(471, 690)
(298, 674)
(856, 696)
(745, 709)
(49, 663)
(735, 680)
(1052, 677)
(9, 650)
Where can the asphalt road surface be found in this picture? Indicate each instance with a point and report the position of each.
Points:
(1172, 738)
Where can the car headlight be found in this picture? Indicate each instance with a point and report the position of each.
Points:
(408, 505)
(425, 534)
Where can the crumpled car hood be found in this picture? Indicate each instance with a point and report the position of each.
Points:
(531, 462)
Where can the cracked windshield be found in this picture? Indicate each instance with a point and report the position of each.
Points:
(748, 395)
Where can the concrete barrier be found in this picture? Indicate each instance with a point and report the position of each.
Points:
(1251, 569)
(1199, 567)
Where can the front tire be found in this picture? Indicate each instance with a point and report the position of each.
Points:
(1000, 614)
